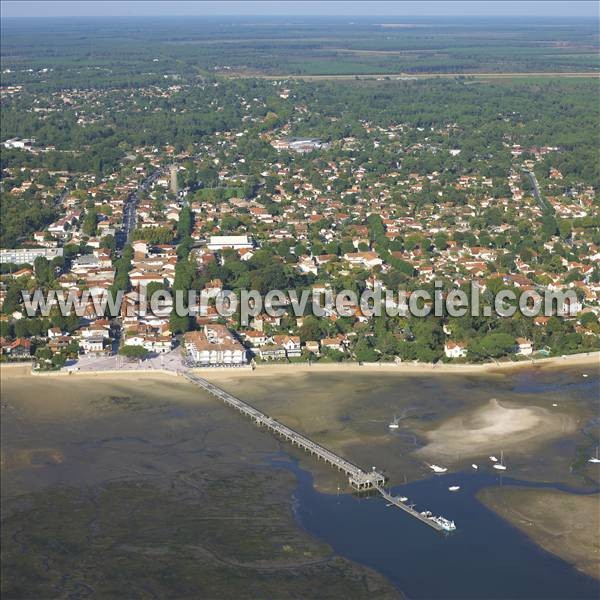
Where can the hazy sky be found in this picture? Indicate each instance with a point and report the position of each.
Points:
(544, 8)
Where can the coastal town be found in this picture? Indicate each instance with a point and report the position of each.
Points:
(300, 300)
(260, 207)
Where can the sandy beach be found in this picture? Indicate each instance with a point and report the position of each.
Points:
(589, 359)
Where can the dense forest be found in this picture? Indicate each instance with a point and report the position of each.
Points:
(132, 52)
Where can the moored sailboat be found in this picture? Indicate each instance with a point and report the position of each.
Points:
(501, 466)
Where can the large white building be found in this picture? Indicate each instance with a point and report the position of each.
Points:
(20, 256)
(235, 242)
(214, 346)
(19, 144)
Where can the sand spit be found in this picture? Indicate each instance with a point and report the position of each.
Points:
(495, 426)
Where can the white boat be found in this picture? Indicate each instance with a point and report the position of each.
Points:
(475, 466)
(500, 466)
(493, 459)
(595, 459)
(437, 469)
(445, 524)
(585, 375)
(403, 498)
(454, 488)
(394, 424)
(554, 404)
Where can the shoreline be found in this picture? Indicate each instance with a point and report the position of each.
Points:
(409, 368)
(265, 369)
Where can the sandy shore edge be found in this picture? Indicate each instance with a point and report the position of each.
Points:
(591, 359)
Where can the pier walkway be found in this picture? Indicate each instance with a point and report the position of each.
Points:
(358, 478)
(409, 509)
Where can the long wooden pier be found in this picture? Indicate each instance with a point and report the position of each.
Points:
(358, 478)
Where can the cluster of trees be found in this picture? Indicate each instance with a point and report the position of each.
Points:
(154, 235)
(122, 268)
(134, 351)
(21, 216)
(46, 359)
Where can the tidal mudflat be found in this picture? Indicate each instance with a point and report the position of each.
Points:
(141, 483)
(141, 487)
(545, 420)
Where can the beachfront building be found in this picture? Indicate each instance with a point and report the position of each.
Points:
(159, 344)
(20, 348)
(290, 343)
(94, 344)
(455, 350)
(312, 346)
(524, 347)
(271, 352)
(214, 346)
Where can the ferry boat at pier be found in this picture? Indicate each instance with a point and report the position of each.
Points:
(445, 524)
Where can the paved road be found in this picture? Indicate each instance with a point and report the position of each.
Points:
(129, 210)
(536, 191)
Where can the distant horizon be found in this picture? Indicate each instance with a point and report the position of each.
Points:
(314, 16)
(36, 9)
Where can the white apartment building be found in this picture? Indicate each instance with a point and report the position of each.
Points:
(214, 346)
(235, 242)
(20, 256)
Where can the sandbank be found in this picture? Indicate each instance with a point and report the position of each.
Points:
(564, 524)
